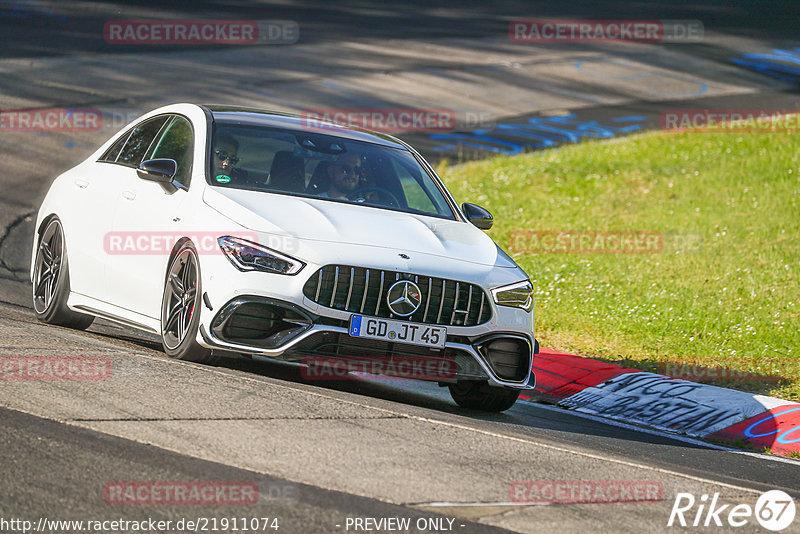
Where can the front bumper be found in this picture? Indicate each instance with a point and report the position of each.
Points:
(277, 329)
(309, 329)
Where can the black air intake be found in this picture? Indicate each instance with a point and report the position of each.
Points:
(509, 357)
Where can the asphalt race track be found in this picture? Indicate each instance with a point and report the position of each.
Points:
(323, 454)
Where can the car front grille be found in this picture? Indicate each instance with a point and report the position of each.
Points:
(363, 291)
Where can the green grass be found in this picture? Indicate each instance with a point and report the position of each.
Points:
(725, 290)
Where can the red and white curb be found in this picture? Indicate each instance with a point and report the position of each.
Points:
(668, 404)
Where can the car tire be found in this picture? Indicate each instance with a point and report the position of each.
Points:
(478, 395)
(51, 281)
(180, 309)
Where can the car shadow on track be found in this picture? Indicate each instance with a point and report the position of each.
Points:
(523, 419)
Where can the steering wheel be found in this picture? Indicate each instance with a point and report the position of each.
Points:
(358, 195)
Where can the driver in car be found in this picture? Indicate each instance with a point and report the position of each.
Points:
(344, 176)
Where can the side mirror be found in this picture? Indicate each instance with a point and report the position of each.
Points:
(161, 171)
(477, 215)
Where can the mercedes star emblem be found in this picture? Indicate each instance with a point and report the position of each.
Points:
(404, 298)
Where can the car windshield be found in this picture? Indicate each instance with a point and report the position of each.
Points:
(322, 166)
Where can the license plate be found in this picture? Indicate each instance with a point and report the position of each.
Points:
(399, 331)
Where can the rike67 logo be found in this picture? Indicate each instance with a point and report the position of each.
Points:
(774, 510)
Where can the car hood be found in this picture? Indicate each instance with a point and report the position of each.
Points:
(321, 220)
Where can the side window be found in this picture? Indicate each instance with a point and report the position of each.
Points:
(139, 141)
(112, 153)
(177, 143)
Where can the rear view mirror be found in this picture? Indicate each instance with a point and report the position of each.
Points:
(477, 215)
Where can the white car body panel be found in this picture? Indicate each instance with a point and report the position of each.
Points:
(320, 220)
(97, 198)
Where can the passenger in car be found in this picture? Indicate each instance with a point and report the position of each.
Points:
(287, 172)
(226, 157)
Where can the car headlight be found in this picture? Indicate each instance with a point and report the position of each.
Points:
(248, 256)
(519, 295)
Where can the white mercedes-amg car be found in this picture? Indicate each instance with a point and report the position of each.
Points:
(231, 230)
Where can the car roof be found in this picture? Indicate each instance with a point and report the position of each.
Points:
(275, 119)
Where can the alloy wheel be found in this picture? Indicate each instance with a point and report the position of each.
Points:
(48, 267)
(180, 299)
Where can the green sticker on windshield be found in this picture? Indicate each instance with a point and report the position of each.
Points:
(223, 178)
